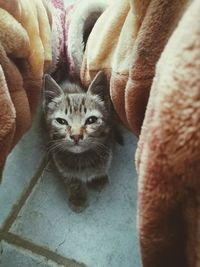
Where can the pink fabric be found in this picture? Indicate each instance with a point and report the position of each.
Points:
(58, 14)
(58, 4)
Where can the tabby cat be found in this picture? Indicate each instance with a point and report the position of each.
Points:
(82, 134)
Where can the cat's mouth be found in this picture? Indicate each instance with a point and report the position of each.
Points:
(77, 148)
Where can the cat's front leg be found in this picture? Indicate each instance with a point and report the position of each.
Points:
(98, 183)
(77, 194)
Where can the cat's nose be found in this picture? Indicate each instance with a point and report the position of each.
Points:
(76, 138)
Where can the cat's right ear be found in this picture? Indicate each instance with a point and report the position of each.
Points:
(99, 86)
(50, 89)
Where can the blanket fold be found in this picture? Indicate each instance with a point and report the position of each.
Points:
(126, 43)
(158, 24)
(80, 19)
(168, 152)
(18, 95)
(10, 30)
(25, 53)
(7, 121)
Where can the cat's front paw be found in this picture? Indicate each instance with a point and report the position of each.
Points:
(78, 199)
(98, 183)
(77, 203)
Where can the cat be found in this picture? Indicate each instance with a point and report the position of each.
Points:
(82, 133)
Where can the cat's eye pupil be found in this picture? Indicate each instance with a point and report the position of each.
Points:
(91, 120)
(61, 121)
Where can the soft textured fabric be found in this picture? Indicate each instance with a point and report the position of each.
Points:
(169, 151)
(109, 43)
(11, 29)
(18, 95)
(126, 43)
(45, 31)
(80, 18)
(33, 17)
(160, 20)
(25, 53)
(12, 6)
(7, 121)
(57, 34)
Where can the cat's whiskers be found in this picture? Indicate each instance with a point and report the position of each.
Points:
(56, 146)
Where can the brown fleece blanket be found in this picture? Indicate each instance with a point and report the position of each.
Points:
(7, 121)
(25, 52)
(18, 95)
(168, 153)
(127, 49)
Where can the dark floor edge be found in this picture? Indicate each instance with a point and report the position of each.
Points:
(24, 196)
(39, 250)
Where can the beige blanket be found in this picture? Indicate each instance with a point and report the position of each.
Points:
(126, 43)
(25, 51)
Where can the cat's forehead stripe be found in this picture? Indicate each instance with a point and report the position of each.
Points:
(68, 101)
(80, 103)
(75, 104)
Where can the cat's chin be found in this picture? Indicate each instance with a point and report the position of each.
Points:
(77, 149)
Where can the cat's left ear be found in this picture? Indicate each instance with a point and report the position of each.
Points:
(50, 87)
(99, 86)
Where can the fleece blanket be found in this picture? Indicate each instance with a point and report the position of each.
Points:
(7, 121)
(71, 27)
(25, 52)
(80, 19)
(57, 33)
(168, 153)
(34, 19)
(126, 43)
(18, 95)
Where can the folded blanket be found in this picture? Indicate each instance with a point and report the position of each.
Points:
(159, 22)
(11, 29)
(33, 17)
(109, 42)
(7, 121)
(126, 43)
(168, 153)
(80, 18)
(49, 13)
(12, 6)
(25, 53)
(56, 8)
(45, 31)
(17, 94)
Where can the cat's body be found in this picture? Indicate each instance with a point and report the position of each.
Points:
(81, 132)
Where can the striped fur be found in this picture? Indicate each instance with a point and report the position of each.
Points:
(67, 111)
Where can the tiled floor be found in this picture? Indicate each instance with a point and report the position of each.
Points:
(39, 229)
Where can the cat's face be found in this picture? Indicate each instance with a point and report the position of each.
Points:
(77, 121)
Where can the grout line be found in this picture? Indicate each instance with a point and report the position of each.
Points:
(17, 207)
(36, 249)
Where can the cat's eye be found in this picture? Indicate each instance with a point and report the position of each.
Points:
(61, 121)
(91, 120)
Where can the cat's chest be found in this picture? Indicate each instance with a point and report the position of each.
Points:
(84, 166)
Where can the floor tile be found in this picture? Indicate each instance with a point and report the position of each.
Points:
(21, 165)
(104, 234)
(12, 256)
